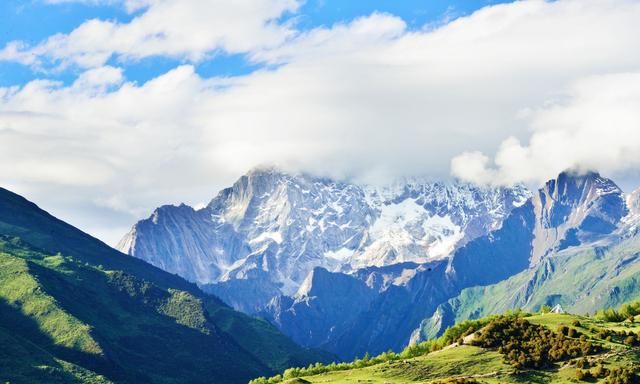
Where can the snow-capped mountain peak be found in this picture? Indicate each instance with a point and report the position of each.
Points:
(271, 229)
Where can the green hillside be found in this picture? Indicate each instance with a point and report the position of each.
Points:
(511, 348)
(581, 280)
(73, 310)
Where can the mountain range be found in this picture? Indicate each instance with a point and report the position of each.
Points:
(263, 236)
(353, 268)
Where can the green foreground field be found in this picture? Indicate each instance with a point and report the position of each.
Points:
(476, 364)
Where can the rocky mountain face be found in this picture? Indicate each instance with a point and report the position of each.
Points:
(404, 293)
(263, 236)
(354, 269)
(326, 302)
(257, 239)
(575, 209)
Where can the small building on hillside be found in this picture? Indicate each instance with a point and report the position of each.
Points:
(557, 309)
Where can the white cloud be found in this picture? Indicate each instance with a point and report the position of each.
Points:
(596, 127)
(183, 29)
(369, 99)
(473, 167)
(99, 79)
(18, 52)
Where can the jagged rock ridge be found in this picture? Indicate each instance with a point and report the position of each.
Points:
(264, 235)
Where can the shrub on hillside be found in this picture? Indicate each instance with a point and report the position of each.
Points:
(626, 311)
(599, 372)
(583, 375)
(573, 333)
(621, 376)
(603, 333)
(527, 345)
(631, 340)
(582, 363)
(544, 309)
(453, 334)
(563, 329)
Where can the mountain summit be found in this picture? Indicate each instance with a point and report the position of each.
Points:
(261, 237)
(574, 209)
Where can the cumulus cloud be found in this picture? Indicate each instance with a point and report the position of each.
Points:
(184, 29)
(17, 51)
(368, 100)
(596, 126)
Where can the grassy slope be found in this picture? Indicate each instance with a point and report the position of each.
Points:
(24, 361)
(114, 324)
(79, 311)
(461, 361)
(487, 366)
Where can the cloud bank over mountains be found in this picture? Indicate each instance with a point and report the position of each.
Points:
(513, 92)
(596, 127)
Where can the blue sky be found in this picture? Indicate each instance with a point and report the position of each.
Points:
(32, 21)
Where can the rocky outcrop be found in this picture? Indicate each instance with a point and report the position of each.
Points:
(326, 303)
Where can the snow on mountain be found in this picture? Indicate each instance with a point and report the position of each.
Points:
(575, 209)
(632, 220)
(633, 202)
(421, 221)
(265, 234)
